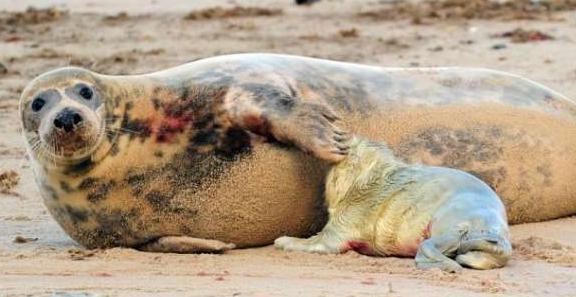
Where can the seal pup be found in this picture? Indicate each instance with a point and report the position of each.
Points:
(236, 148)
(379, 205)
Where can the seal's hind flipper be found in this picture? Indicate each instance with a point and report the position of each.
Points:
(484, 252)
(185, 245)
(481, 260)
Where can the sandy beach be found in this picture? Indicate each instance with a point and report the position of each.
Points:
(38, 259)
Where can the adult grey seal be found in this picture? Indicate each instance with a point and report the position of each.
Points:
(379, 205)
(236, 148)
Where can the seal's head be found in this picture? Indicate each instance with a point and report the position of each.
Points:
(63, 115)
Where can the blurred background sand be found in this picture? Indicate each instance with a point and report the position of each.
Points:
(132, 36)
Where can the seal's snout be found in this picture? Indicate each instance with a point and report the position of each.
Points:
(68, 119)
(70, 131)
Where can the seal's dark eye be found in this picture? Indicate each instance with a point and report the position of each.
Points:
(37, 104)
(86, 92)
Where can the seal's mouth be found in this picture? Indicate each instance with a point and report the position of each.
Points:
(71, 144)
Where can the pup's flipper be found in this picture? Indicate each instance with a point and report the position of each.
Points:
(320, 244)
(481, 260)
(484, 252)
(434, 252)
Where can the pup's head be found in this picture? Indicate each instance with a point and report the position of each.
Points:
(63, 115)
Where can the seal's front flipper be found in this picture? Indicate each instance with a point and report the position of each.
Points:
(276, 115)
(312, 128)
(315, 244)
(185, 245)
(433, 252)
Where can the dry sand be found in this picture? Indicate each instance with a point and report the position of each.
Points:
(38, 259)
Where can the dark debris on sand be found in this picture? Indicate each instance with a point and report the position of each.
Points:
(234, 12)
(22, 239)
(3, 69)
(349, 33)
(32, 16)
(80, 254)
(436, 10)
(119, 17)
(8, 181)
(520, 35)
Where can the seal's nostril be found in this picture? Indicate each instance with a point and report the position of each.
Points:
(77, 119)
(58, 123)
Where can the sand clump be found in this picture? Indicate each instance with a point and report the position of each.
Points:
(234, 12)
(520, 35)
(121, 16)
(8, 181)
(33, 16)
(81, 254)
(437, 10)
(349, 33)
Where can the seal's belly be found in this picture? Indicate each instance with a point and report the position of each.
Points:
(267, 193)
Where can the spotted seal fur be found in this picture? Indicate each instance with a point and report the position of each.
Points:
(380, 205)
(235, 148)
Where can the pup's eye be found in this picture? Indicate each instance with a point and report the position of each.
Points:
(37, 104)
(86, 93)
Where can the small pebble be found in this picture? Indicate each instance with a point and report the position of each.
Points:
(3, 69)
(499, 46)
(302, 2)
(436, 49)
(22, 239)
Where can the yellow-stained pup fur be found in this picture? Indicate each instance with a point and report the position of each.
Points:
(379, 205)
